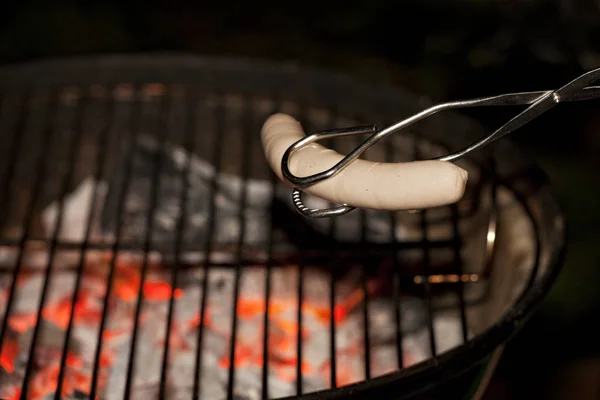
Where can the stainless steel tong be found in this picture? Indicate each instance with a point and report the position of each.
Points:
(539, 102)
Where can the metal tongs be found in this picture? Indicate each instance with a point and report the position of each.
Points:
(539, 102)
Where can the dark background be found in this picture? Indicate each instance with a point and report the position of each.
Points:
(447, 50)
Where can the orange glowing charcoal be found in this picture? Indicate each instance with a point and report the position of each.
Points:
(67, 389)
(194, 322)
(178, 343)
(109, 334)
(224, 362)
(325, 368)
(107, 359)
(23, 322)
(284, 361)
(323, 314)
(126, 290)
(243, 356)
(288, 372)
(290, 328)
(160, 291)
(84, 302)
(292, 363)
(74, 361)
(344, 376)
(340, 311)
(276, 308)
(86, 311)
(306, 368)
(280, 362)
(10, 350)
(339, 314)
(353, 350)
(79, 381)
(355, 298)
(250, 308)
(127, 281)
(45, 382)
(286, 375)
(59, 314)
(102, 379)
(283, 344)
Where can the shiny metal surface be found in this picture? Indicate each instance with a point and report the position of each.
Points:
(539, 102)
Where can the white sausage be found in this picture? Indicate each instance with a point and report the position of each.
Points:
(364, 184)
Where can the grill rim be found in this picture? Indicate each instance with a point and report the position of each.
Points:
(419, 377)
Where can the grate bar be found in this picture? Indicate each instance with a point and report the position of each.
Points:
(397, 282)
(216, 162)
(15, 145)
(73, 146)
(365, 303)
(134, 118)
(246, 165)
(332, 339)
(100, 163)
(459, 271)
(301, 262)
(265, 344)
(154, 186)
(268, 283)
(4, 200)
(189, 145)
(332, 342)
(426, 272)
(299, 352)
(40, 174)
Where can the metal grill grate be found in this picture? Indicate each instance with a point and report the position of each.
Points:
(56, 139)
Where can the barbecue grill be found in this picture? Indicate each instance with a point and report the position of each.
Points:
(147, 251)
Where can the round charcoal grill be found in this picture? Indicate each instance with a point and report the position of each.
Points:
(147, 250)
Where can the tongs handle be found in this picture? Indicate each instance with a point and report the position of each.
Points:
(543, 103)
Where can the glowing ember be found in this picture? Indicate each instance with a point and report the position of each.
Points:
(160, 291)
(101, 353)
(10, 350)
(248, 358)
(194, 322)
(22, 323)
